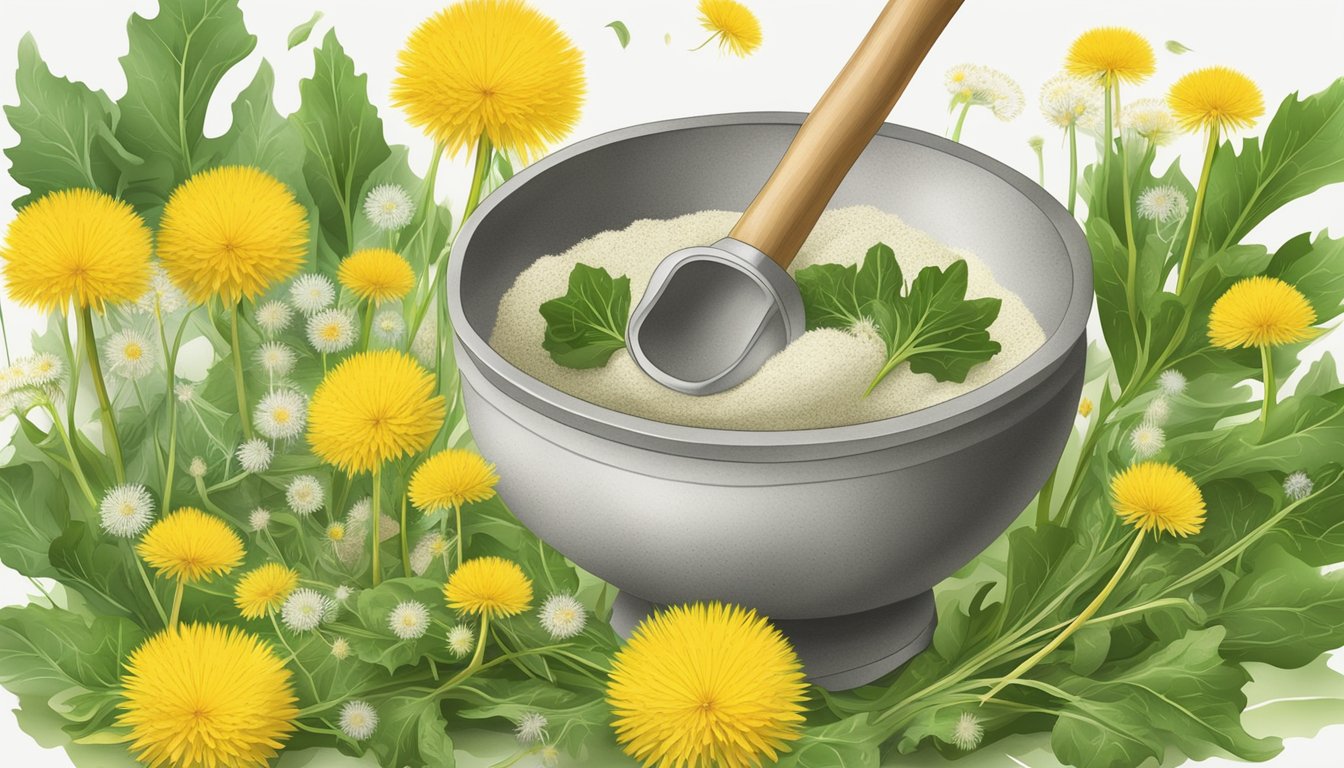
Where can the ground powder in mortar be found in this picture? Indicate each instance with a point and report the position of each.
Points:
(818, 381)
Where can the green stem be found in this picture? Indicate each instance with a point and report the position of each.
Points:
(110, 438)
(1073, 166)
(484, 152)
(366, 326)
(961, 121)
(1108, 143)
(1043, 498)
(75, 467)
(177, 604)
(708, 40)
(1040, 165)
(243, 414)
(1131, 278)
(457, 516)
(149, 587)
(1271, 387)
(1196, 211)
(405, 540)
(377, 500)
(1073, 626)
(4, 335)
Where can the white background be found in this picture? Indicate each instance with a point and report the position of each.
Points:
(1284, 45)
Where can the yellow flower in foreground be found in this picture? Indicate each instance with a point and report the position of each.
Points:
(736, 27)
(1111, 54)
(1216, 97)
(492, 67)
(489, 586)
(79, 246)
(1085, 407)
(263, 590)
(191, 546)
(233, 232)
(451, 478)
(706, 685)
(373, 408)
(377, 275)
(205, 695)
(1156, 496)
(1261, 312)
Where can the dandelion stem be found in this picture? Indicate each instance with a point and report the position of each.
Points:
(1108, 143)
(1043, 498)
(1183, 274)
(4, 335)
(1073, 166)
(708, 40)
(1040, 165)
(376, 503)
(366, 326)
(1132, 274)
(457, 518)
(110, 439)
(961, 121)
(76, 468)
(177, 604)
(1073, 626)
(149, 587)
(1271, 387)
(484, 151)
(405, 536)
(243, 415)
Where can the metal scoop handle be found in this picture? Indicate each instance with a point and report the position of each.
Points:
(840, 126)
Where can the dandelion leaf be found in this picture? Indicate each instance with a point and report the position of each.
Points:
(586, 326)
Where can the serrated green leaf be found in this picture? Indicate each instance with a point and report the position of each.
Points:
(622, 32)
(1282, 612)
(586, 326)
(65, 130)
(1303, 432)
(299, 35)
(412, 733)
(1320, 378)
(260, 136)
(849, 742)
(175, 62)
(838, 295)
(344, 137)
(373, 607)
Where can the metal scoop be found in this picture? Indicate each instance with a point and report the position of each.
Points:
(712, 315)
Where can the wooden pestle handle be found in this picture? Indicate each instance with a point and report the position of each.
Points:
(840, 126)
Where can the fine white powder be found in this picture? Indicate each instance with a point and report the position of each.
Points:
(818, 381)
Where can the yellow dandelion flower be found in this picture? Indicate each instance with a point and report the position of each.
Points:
(494, 68)
(1111, 54)
(263, 590)
(491, 587)
(76, 246)
(451, 478)
(377, 275)
(1085, 408)
(706, 685)
(1217, 98)
(733, 24)
(336, 533)
(1261, 312)
(233, 232)
(190, 545)
(373, 408)
(1153, 495)
(206, 696)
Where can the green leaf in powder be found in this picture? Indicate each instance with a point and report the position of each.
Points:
(935, 327)
(299, 34)
(622, 32)
(837, 295)
(587, 325)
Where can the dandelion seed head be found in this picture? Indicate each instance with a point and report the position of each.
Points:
(184, 391)
(274, 316)
(1147, 440)
(388, 207)
(461, 640)
(1150, 119)
(281, 414)
(531, 728)
(305, 609)
(967, 732)
(126, 510)
(1298, 486)
(197, 467)
(259, 519)
(562, 616)
(254, 455)
(389, 326)
(1158, 411)
(332, 330)
(311, 293)
(304, 495)
(276, 358)
(1162, 204)
(162, 293)
(340, 648)
(358, 719)
(129, 354)
(1068, 100)
(409, 619)
(1171, 382)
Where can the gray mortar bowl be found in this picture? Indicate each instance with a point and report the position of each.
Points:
(839, 534)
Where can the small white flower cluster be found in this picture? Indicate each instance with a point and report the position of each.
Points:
(983, 86)
(311, 293)
(185, 392)
(163, 295)
(1068, 100)
(130, 354)
(281, 414)
(332, 330)
(358, 719)
(305, 495)
(1163, 204)
(425, 345)
(409, 619)
(197, 467)
(259, 519)
(1150, 119)
(28, 381)
(388, 207)
(563, 616)
(126, 510)
(254, 455)
(340, 649)
(305, 609)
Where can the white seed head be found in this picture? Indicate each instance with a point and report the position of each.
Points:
(1147, 440)
(1298, 486)
(358, 719)
(197, 467)
(304, 609)
(1158, 411)
(332, 330)
(1067, 100)
(531, 728)
(389, 326)
(304, 495)
(311, 293)
(967, 732)
(425, 344)
(126, 510)
(983, 86)
(276, 359)
(342, 593)
(340, 648)
(129, 354)
(1171, 382)
(40, 370)
(185, 392)
(161, 294)
(255, 455)
(1162, 204)
(461, 640)
(1150, 119)
(430, 547)
(281, 414)
(360, 512)
(274, 316)
(388, 207)
(409, 619)
(563, 616)
(259, 518)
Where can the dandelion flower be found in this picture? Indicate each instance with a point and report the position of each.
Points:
(1071, 101)
(733, 24)
(1111, 55)
(206, 695)
(311, 293)
(332, 330)
(1261, 312)
(1171, 382)
(1162, 204)
(377, 275)
(1085, 408)
(389, 326)
(1157, 496)
(129, 354)
(340, 649)
(967, 732)
(1147, 440)
(274, 316)
(76, 246)
(706, 685)
(373, 408)
(452, 478)
(388, 207)
(281, 414)
(1150, 119)
(126, 510)
(562, 616)
(531, 728)
(1216, 98)
(459, 78)
(425, 345)
(232, 232)
(276, 358)
(162, 296)
(304, 495)
(409, 619)
(358, 719)
(1298, 486)
(184, 391)
(342, 593)
(305, 609)
(336, 533)
(430, 548)
(1008, 100)
(40, 370)
(489, 586)
(197, 467)
(190, 545)
(360, 511)
(254, 455)
(259, 519)
(263, 590)
(461, 640)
